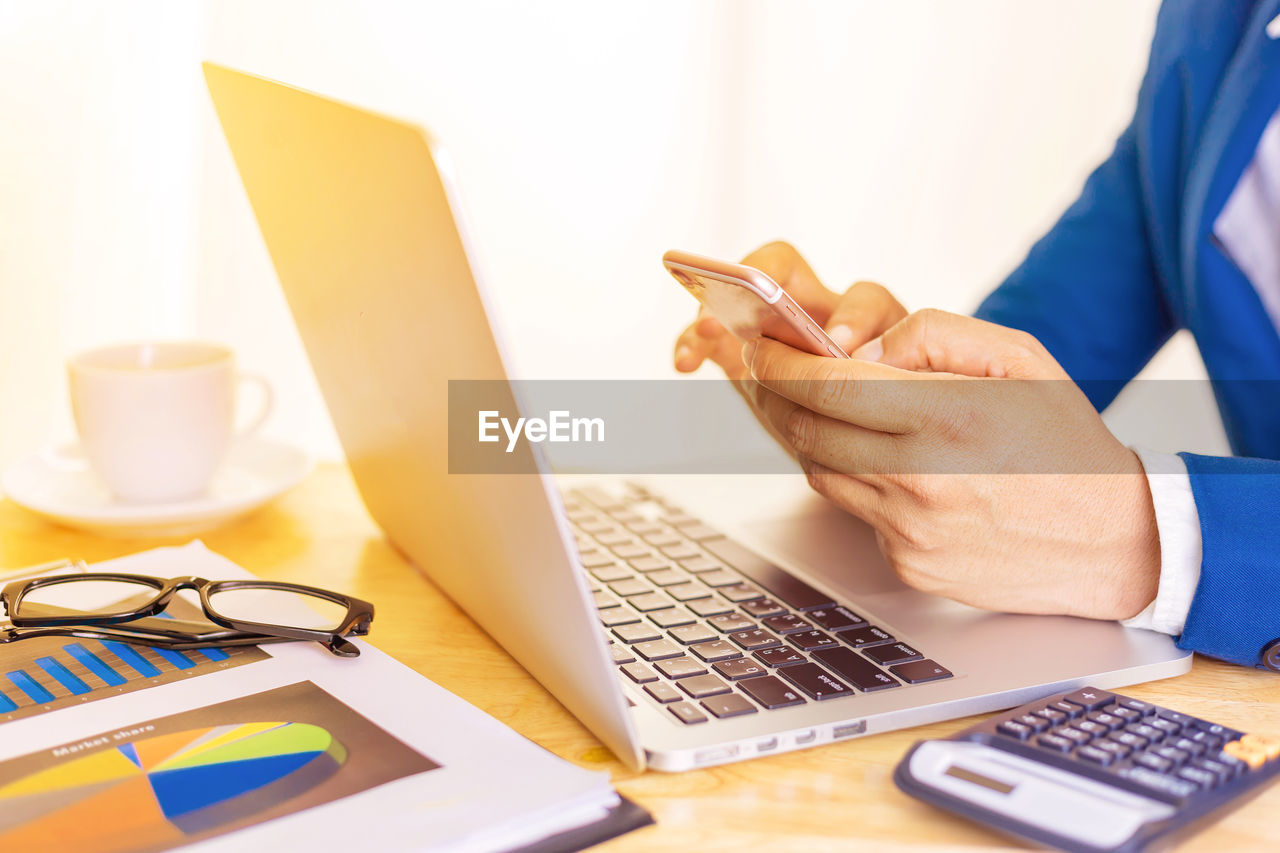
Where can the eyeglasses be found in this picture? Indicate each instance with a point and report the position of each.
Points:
(132, 608)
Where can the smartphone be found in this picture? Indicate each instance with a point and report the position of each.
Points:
(749, 303)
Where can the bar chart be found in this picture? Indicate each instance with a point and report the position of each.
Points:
(42, 675)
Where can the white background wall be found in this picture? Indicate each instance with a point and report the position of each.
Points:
(925, 145)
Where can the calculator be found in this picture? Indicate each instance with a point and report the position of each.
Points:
(1090, 770)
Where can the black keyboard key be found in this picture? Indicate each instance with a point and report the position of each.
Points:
(1074, 735)
(782, 584)
(1053, 715)
(716, 650)
(1054, 742)
(680, 667)
(1119, 750)
(835, 618)
(639, 673)
(699, 686)
(1072, 711)
(1169, 727)
(867, 636)
(1166, 787)
(1127, 714)
(735, 670)
(785, 623)
(892, 653)
(638, 632)
(816, 682)
(663, 692)
(855, 669)
(808, 641)
(1090, 728)
(1111, 721)
(1210, 742)
(771, 692)
(762, 607)
(920, 671)
(687, 713)
(1151, 761)
(710, 606)
(1131, 740)
(755, 638)
(1095, 755)
(695, 633)
(1089, 698)
(1146, 709)
(1188, 745)
(658, 650)
(1221, 772)
(728, 705)
(1145, 731)
(1200, 777)
(671, 617)
(1033, 722)
(1013, 728)
(780, 656)
(730, 622)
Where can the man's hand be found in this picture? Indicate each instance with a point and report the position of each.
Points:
(1005, 492)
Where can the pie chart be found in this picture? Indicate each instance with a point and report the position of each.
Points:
(161, 790)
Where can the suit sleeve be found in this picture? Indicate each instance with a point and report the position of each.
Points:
(1088, 290)
(1234, 615)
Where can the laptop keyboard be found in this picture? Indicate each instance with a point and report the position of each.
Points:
(709, 629)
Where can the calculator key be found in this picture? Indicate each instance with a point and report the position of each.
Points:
(1096, 756)
(1127, 714)
(895, 653)
(1236, 763)
(1221, 771)
(920, 671)
(1119, 750)
(649, 601)
(687, 591)
(1186, 744)
(728, 705)
(699, 686)
(639, 673)
(1053, 715)
(781, 656)
(710, 606)
(755, 639)
(730, 622)
(816, 682)
(616, 616)
(1183, 720)
(663, 692)
(785, 623)
(809, 640)
(1171, 787)
(621, 654)
(1151, 761)
(735, 670)
(1211, 742)
(1031, 721)
(690, 634)
(1255, 758)
(1149, 732)
(1015, 729)
(687, 713)
(1073, 734)
(1089, 698)
(1146, 709)
(1169, 727)
(1131, 740)
(1072, 711)
(1268, 745)
(715, 650)
(680, 667)
(771, 692)
(762, 607)
(658, 650)
(855, 669)
(1203, 778)
(740, 592)
(636, 633)
(1090, 728)
(1054, 742)
(869, 635)
(1110, 721)
(671, 617)
(835, 618)
(1176, 757)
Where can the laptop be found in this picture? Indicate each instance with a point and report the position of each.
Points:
(687, 621)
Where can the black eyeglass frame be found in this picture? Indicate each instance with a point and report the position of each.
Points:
(357, 620)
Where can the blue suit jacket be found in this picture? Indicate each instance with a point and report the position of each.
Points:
(1134, 259)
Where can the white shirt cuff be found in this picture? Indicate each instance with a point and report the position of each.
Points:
(1178, 523)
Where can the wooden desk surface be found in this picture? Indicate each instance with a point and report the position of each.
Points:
(836, 797)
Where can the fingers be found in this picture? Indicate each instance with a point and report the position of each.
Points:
(866, 394)
(844, 447)
(782, 263)
(851, 494)
(698, 342)
(865, 311)
(942, 342)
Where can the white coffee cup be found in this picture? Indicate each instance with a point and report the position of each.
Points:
(156, 418)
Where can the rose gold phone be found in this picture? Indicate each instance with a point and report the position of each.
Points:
(749, 303)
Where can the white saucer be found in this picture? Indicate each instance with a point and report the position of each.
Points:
(56, 483)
